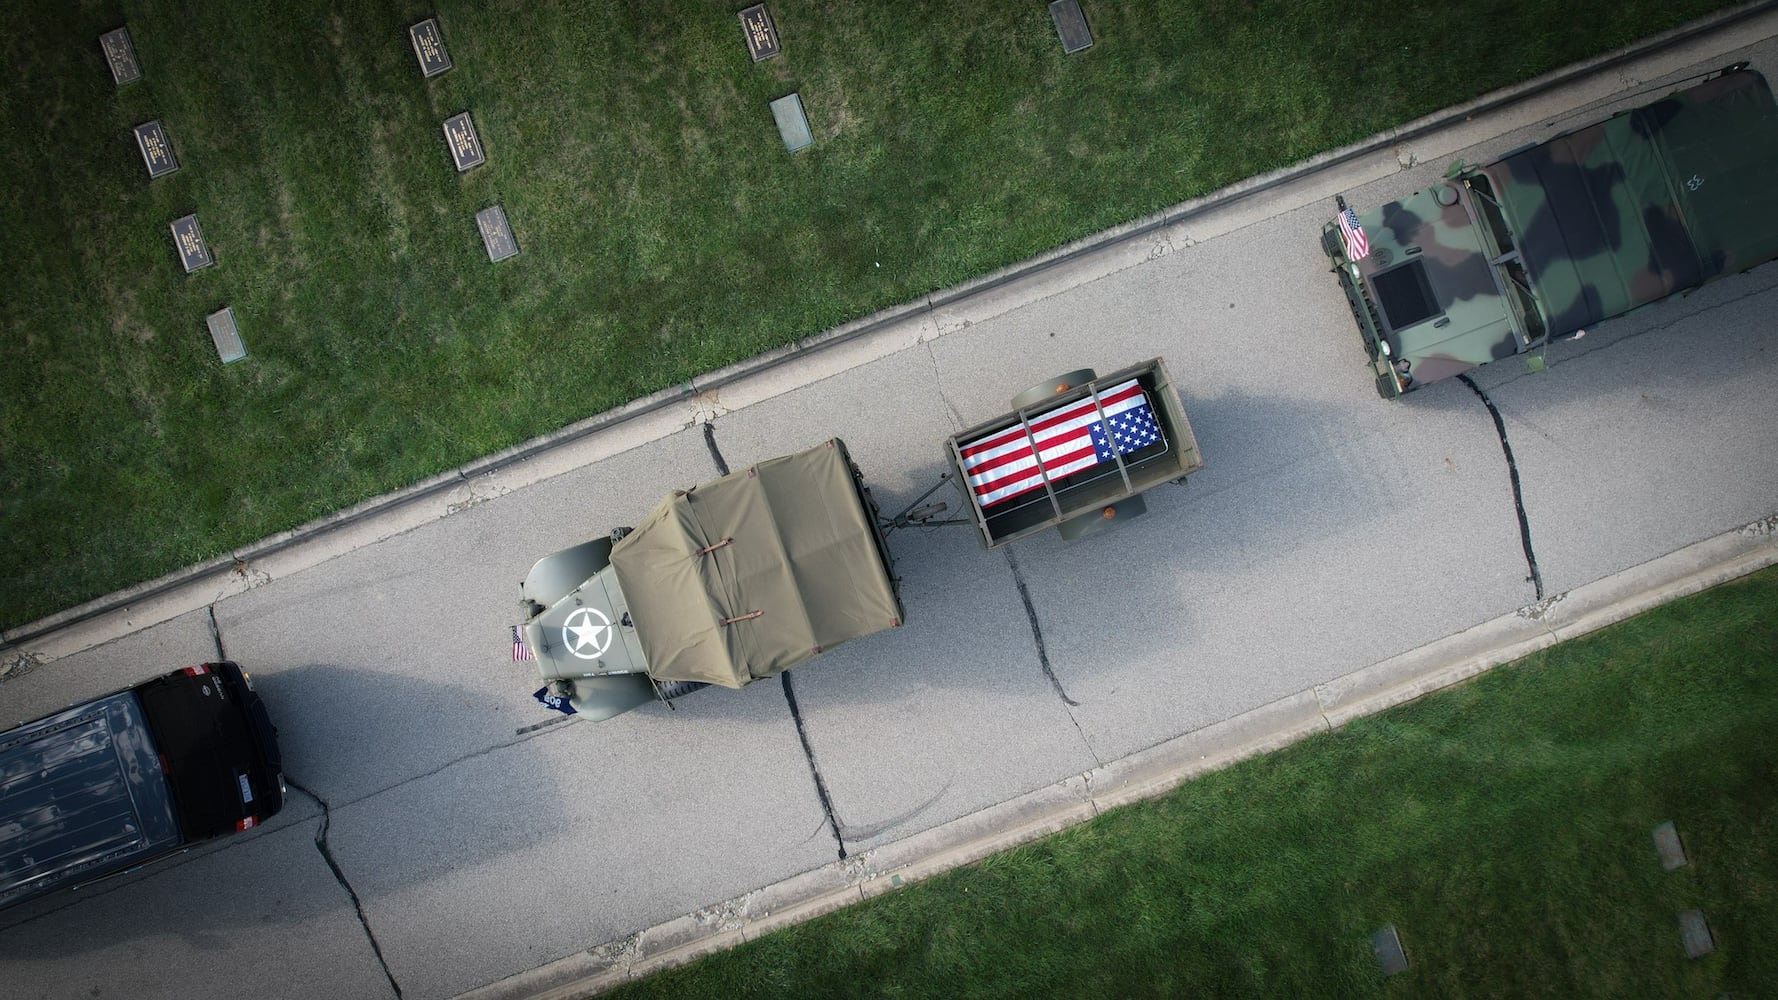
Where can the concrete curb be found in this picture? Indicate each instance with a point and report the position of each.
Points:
(1150, 773)
(800, 363)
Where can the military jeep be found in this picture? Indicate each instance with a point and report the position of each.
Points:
(730, 582)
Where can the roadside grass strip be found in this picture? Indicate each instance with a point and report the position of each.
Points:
(658, 229)
(1502, 828)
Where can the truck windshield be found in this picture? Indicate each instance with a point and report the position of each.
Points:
(1493, 219)
(1504, 256)
(1518, 291)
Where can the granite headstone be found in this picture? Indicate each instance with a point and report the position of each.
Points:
(466, 146)
(496, 233)
(1387, 946)
(429, 47)
(1071, 25)
(194, 253)
(759, 31)
(225, 335)
(157, 151)
(120, 55)
(793, 124)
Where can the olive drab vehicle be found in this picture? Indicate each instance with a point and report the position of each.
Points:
(730, 582)
(1502, 258)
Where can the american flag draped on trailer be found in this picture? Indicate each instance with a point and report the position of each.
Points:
(1002, 465)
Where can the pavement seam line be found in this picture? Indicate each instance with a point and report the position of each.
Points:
(339, 876)
(802, 734)
(1512, 474)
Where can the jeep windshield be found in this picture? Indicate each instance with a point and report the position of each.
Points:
(1503, 255)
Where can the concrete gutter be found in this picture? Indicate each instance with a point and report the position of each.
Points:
(1150, 773)
(813, 358)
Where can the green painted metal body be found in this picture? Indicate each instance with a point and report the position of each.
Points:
(730, 582)
(1504, 257)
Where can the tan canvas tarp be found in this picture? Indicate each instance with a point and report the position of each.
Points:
(751, 574)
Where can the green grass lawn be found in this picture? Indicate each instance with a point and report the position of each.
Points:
(1503, 827)
(664, 230)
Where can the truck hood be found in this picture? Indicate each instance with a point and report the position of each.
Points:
(587, 632)
(1435, 292)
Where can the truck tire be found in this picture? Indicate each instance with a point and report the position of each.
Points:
(673, 689)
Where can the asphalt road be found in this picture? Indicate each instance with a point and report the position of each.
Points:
(437, 839)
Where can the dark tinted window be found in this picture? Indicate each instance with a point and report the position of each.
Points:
(1405, 294)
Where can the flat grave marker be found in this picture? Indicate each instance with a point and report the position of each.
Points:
(466, 146)
(760, 33)
(225, 335)
(1696, 934)
(793, 124)
(120, 55)
(157, 151)
(429, 48)
(496, 233)
(1071, 25)
(194, 253)
(1387, 945)
(1668, 844)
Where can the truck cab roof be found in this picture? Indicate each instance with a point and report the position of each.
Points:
(1644, 204)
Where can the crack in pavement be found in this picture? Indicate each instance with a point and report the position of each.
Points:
(796, 714)
(340, 877)
(938, 385)
(802, 734)
(1611, 340)
(1043, 656)
(1512, 471)
(715, 452)
(216, 633)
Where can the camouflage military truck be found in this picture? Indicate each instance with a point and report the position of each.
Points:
(733, 581)
(1502, 258)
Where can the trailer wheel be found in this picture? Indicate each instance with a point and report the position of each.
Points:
(674, 689)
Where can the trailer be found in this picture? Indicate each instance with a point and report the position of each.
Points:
(1075, 453)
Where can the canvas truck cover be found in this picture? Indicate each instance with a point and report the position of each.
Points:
(751, 574)
(1648, 202)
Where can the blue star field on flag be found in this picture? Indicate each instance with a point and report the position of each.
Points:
(1132, 429)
